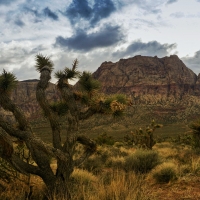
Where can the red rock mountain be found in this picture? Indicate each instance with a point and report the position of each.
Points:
(142, 75)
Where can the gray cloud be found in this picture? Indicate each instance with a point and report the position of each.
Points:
(193, 62)
(102, 9)
(152, 48)
(20, 58)
(171, 1)
(19, 22)
(34, 12)
(80, 9)
(25, 73)
(81, 41)
(50, 14)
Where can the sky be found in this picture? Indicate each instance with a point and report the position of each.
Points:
(95, 31)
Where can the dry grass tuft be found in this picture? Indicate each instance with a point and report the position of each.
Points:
(165, 172)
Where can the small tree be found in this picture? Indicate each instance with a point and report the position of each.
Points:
(76, 105)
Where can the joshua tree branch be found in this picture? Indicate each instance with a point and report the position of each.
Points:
(24, 167)
(67, 95)
(90, 148)
(88, 113)
(8, 105)
(7, 153)
(41, 98)
(12, 131)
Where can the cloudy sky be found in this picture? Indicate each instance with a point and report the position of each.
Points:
(95, 31)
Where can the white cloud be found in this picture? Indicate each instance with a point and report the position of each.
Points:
(24, 34)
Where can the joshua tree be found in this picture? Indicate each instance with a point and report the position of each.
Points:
(195, 126)
(144, 139)
(76, 105)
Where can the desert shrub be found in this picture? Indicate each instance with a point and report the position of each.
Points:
(195, 165)
(125, 151)
(165, 173)
(115, 151)
(103, 152)
(93, 164)
(185, 138)
(118, 144)
(121, 186)
(185, 169)
(107, 151)
(115, 162)
(82, 176)
(142, 161)
(184, 157)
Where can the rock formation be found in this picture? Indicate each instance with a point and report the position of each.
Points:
(143, 75)
(161, 88)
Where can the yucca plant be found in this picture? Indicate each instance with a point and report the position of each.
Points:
(88, 84)
(60, 108)
(8, 82)
(43, 61)
(67, 74)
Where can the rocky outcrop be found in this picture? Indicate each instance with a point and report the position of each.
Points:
(143, 75)
(25, 97)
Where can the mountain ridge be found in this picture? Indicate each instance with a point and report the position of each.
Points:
(159, 87)
(148, 75)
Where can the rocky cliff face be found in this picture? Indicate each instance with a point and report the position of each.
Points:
(143, 75)
(25, 97)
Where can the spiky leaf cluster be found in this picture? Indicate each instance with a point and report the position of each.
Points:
(117, 106)
(68, 73)
(121, 98)
(60, 108)
(108, 105)
(88, 83)
(8, 82)
(42, 61)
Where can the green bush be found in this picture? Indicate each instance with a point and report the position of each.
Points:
(165, 173)
(142, 161)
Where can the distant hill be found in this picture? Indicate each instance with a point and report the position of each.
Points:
(160, 88)
(143, 75)
(25, 97)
